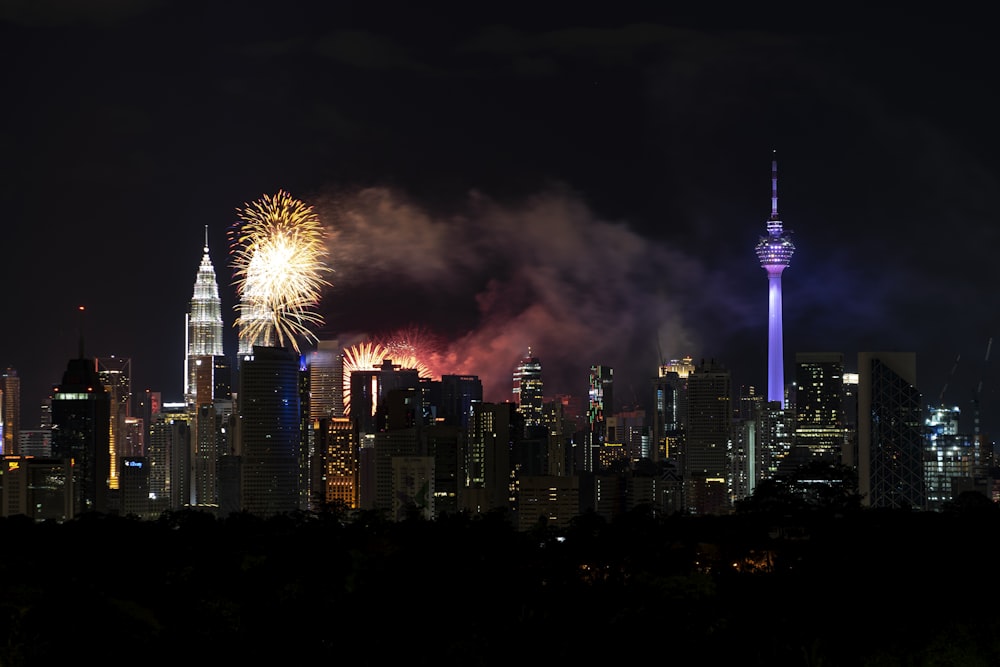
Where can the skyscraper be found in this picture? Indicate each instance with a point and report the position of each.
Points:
(705, 459)
(115, 374)
(820, 430)
(81, 422)
(204, 322)
(528, 389)
(890, 436)
(10, 411)
(775, 252)
(272, 431)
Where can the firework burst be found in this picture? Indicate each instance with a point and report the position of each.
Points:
(277, 251)
(370, 355)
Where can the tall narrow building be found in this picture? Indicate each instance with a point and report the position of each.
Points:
(528, 389)
(81, 421)
(272, 431)
(204, 323)
(115, 374)
(10, 411)
(775, 252)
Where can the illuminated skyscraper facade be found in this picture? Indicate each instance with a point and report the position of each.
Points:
(775, 252)
(528, 389)
(10, 411)
(204, 322)
(116, 376)
(820, 425)
(326, 380)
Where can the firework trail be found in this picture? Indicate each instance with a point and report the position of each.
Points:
(277, 249)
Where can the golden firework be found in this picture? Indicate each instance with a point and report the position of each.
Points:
(277, 253)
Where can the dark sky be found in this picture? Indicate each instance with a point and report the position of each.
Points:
(588, 183)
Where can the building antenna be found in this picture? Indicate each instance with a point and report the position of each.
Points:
(206, 238)
(774, 185)
(80, 309)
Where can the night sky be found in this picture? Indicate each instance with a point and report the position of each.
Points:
(587, 183)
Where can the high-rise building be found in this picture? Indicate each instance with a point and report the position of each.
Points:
(326, 380)
(820, 424)
(335, 464)
(890, 436)
(116, 376)
(706, 442)
(600, 395)
(775, 252)
(207, 386)
(81, 422)
(203, 323)
(271, 431)
(528, 389)
(670, 408)
(487, 465)
(10, 412)
(167, 452)
(953, 461)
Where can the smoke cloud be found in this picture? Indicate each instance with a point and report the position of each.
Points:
(489, 281)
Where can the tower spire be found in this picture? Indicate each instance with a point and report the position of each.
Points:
(206, 238)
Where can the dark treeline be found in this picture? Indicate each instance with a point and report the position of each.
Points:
(790, 587)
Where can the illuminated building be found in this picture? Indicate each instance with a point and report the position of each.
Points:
(326, 380)
(207, 386)
(115, 375)
(600, 394)
(775, 252)
(953, 462)
(81, 422)
(706, 443)
(10, 412)
(528, 389)
(203, 322)
(272, 432)
(670, 408)
(487, 478)
(135, 487)
(167, 452)
(335, 463)
(890, 439)
(820, 429)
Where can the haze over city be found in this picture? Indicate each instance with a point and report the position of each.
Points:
(589, 184)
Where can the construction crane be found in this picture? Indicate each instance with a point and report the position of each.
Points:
(979, 390)
(950, 376)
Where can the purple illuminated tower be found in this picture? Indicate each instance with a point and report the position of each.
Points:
(775, 252)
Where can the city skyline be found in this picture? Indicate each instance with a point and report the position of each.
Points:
(584, 185)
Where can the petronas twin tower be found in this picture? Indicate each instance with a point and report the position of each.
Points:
(204, 322)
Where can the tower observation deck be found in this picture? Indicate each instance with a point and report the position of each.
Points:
(775, 253)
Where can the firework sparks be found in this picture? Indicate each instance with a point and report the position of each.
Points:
(277, 253)
(370, 356)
